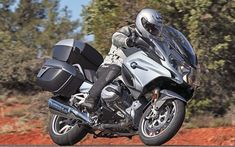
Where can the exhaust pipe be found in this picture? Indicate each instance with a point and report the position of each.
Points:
(64, 110)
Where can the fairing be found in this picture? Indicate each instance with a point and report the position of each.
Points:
(166, 56)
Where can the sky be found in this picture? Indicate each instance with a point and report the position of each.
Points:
(75, 6)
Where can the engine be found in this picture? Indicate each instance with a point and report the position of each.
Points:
(118, 99)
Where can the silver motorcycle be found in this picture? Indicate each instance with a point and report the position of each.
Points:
(147, 99)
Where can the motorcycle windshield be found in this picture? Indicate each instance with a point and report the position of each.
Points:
(179, 42)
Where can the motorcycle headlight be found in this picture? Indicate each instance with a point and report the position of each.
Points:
(189, 74)
(192, 77)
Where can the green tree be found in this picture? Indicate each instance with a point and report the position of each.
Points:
(104, 17)
(28, 18)
(6, 14)
(33, 25)
(57, 26)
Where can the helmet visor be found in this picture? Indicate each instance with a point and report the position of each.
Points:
(154, 29)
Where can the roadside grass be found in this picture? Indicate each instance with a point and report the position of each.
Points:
(2, 97)
(26, 100)
(20, 126)
(39, 109)
(208, 120)
(18, 112)
(25, 109)
(10, 101)
(7, 129)
(21, 99)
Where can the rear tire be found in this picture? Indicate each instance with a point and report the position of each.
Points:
(73, 135)
(167, 133)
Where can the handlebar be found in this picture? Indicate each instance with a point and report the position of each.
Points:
(143, 44)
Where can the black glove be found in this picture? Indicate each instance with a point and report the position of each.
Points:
(130, 42)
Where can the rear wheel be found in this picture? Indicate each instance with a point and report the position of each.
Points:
(158, 126)
(64, 131)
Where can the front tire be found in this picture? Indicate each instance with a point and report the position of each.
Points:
(64, 131)
(160, 129)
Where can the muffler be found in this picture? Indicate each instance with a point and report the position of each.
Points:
(67, 111)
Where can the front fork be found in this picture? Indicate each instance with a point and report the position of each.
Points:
(155, 95)
(159, 97)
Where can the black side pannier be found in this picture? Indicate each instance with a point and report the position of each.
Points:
(77, 52)
(59, 77)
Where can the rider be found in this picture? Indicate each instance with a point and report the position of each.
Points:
(148, 22)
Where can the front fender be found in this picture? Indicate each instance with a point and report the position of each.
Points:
(167, 95)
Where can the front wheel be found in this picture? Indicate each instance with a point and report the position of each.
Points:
(64, 131)
(158, 126)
